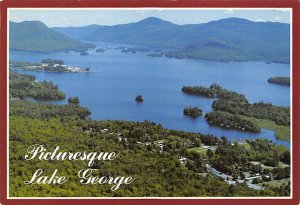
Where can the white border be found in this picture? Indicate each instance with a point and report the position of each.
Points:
(157, 8)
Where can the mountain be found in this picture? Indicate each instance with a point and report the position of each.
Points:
(76, 32)
(231, 39)
(36, 36)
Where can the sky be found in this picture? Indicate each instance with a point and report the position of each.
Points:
(66, 18)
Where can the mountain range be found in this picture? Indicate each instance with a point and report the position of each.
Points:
(36, 36)
(231, 39)
(226, 39)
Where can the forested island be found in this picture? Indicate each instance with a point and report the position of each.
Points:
(84, 53)
(161, 54)
(237, 104)
(192, 112)
(47, 65)
(139, 98)
(178, 163)
(280, 80)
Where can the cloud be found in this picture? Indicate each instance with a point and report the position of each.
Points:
(229, 11)
(278, 18)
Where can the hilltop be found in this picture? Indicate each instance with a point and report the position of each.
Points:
(36, 36)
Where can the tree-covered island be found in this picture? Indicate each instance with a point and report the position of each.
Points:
(192, 112)
(139, 98)
(280, 80)
(47, 65)
(263, 115)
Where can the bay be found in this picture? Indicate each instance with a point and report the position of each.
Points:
(115, 78)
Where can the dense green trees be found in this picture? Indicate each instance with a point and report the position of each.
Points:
(157, 173)
(261, 110)
(237, 104)
(22, 86)
(230, 121)
(73, 100)
(139, 98)
(46, 111)
(235, 159)
(192, 112)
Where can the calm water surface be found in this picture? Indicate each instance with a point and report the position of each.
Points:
(115, 79)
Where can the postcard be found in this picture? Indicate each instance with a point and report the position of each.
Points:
(146, 103)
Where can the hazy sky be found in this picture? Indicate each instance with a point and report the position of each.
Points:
(63, 18)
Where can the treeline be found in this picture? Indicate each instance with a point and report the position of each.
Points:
(52, 61)
(280, 115)
(230, 121)
(214, 91)
(22, 86)
(280, 80)
(46, 111)
(237, 104)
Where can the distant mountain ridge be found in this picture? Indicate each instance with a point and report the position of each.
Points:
(231, 39)
(36, 36)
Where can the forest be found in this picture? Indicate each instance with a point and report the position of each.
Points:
(192, 112)
(22, 85)
(230, 121)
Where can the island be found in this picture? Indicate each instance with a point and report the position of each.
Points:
(47, 65)
(192, 112)
(100, 50)
(84, 53)
(161, 54)
(261, 114)
(280, 80)
(139, 98)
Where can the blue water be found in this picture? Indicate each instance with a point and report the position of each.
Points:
(115, 79)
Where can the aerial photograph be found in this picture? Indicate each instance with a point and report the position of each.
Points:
(149, 102)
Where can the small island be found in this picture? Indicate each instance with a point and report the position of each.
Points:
(84, 53)
(192, 112)
(139, 98)
(134, 50)
(161, 54)
(47, 65)
(280, 80)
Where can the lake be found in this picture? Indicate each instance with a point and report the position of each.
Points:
(115, 78)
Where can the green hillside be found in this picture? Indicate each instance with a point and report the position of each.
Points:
(36, 36)
(231, 39)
